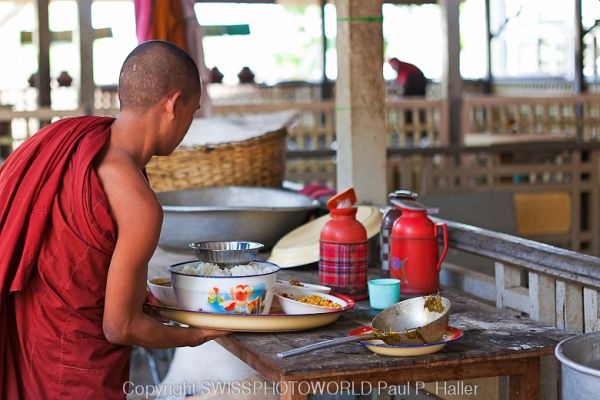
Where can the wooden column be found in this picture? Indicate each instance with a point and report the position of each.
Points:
(86, 47)
(326, 88)
(579, 84)
(451, 79)
(360, 100)
(42, 37)
(595, 57)
(5, 136)
(488, 49)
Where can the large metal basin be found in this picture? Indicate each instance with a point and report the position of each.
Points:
(231, 213)
(580, 366)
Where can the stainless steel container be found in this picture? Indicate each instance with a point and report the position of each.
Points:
(255, 214)
(580, 366)
(226, 253)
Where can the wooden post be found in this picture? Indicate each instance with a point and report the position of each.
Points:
(86, 46)
(576, 202)
(595, 57)
(488, 48)
(326, 92)
(360, 98)
(569, 306)
(591, 315)
(542, 295)
(526, 386)
(507, 277)
(579, 85)
(594, 203)
(5, 139)
(42, 37)
(451, 79)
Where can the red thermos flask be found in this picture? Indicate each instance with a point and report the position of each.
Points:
(387, 222)
(343, 258)
(414, 249)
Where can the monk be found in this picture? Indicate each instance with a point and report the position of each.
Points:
(78, 225)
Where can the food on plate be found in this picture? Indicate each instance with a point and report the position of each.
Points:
(296, 282)
(161, 282)
(210, 269)
(318, 301)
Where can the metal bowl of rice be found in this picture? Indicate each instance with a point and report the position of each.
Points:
(226, 253)
(239, 289)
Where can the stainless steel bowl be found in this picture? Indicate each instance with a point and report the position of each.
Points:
(256, 214)
(579, 357)
(412, 323)
(227, 253)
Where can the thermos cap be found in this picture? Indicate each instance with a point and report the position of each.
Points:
(409, 205)
(403, 195)
(346, 199)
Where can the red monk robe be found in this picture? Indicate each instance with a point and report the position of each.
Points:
(56, 241)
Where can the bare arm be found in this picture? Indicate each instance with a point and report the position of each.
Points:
(139, 217)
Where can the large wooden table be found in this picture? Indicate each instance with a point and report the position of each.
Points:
(496, 343)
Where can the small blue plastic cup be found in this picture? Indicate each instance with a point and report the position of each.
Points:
(383, 293)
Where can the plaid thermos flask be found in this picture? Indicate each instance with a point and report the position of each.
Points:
(343, 254)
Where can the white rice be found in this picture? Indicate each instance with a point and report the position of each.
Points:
(210, 269)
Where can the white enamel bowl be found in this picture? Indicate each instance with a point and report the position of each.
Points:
(308, 286)
(252, 294)
(163, 291)
(286, 297)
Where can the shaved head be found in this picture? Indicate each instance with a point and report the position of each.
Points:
(154, 70)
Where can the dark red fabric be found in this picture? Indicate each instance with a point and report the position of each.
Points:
(56, 241)
(410, 78)
(406, 70)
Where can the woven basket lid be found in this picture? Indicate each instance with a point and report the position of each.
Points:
(218, 130)
(301, 246)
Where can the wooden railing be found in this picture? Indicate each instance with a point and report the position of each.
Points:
(18, 126)
(415, 122)
(546, 86)
(554, 286)
(411, 123)
(577, 117)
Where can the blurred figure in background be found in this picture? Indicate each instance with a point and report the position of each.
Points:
(410, 82)
(410, 79)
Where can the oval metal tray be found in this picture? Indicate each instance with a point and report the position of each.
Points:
(274, 322)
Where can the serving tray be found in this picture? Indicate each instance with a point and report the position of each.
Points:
(276, 321)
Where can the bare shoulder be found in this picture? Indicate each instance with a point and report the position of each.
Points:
(132, 201)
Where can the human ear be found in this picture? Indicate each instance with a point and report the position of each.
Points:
(172, 104)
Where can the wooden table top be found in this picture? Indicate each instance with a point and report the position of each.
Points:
(489, 334)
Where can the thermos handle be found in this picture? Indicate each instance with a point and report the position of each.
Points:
(445, 232)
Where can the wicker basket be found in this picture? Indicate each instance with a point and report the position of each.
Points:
(259, 161)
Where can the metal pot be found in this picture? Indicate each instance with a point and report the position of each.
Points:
(257, 214)
(580, 366)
